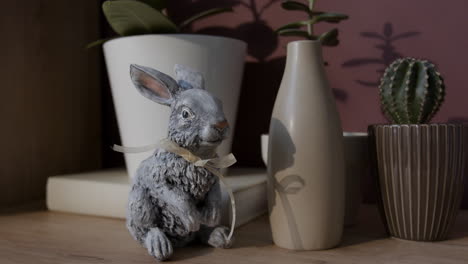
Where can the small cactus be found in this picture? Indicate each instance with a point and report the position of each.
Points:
(411, 91)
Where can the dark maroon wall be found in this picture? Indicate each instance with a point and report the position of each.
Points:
(376, 33)
(435, 30)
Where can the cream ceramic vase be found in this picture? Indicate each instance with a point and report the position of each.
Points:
(306, 173)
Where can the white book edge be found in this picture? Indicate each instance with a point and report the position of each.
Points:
(105, 193)
(101, 193)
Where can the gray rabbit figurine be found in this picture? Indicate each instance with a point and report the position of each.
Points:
(172, 202)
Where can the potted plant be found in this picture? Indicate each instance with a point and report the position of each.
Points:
(328, 38)
(306, 181)
(150, 38)
(420, 166)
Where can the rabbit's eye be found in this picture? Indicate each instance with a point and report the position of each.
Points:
(186, 114)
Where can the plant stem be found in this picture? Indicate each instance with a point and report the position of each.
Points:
(310, 30)
(311, 5)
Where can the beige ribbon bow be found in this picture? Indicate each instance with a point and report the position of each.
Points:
(213, 165)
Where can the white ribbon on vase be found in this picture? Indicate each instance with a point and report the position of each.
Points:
(213, 165)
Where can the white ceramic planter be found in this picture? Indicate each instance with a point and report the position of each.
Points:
(142, 122)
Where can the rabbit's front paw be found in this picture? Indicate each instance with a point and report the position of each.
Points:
(158, 244)
(191, 221)
(211, 215)
(219, 238)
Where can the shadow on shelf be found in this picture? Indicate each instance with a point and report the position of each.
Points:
(192, 251)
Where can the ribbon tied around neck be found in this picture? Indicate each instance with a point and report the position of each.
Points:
(213, 165)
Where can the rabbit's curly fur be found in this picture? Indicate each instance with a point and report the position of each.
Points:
(174, 172)
(171, 201)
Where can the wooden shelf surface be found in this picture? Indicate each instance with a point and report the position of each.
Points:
(50, 237)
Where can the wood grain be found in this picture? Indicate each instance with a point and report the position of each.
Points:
(50, 110)
(48, 237)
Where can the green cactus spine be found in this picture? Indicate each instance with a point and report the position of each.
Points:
(411, 91)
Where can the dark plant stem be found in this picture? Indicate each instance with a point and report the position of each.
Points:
(255, 12)
(310, 29)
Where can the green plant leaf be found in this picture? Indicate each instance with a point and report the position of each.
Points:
(331, 17)
(97, 43)
(311, 4)
(328, 17)
(209, 12)
(156, 4)
(329, 38)
(134, 18)
(294, 5)
(294, 32)
(297, 25)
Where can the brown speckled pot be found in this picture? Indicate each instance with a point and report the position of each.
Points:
(420, 171)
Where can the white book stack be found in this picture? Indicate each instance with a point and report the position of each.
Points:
(105, 193)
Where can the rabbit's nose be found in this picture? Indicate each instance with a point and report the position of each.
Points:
(221, 125)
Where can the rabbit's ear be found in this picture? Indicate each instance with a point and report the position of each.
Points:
(187, 78)
(154, 84)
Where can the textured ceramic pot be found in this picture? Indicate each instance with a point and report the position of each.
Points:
(357, 166)
(142, 122)
(306, 180)
(420, 172)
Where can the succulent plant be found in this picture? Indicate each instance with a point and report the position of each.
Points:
(411, 91)
(329, 38)
(132, 17)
